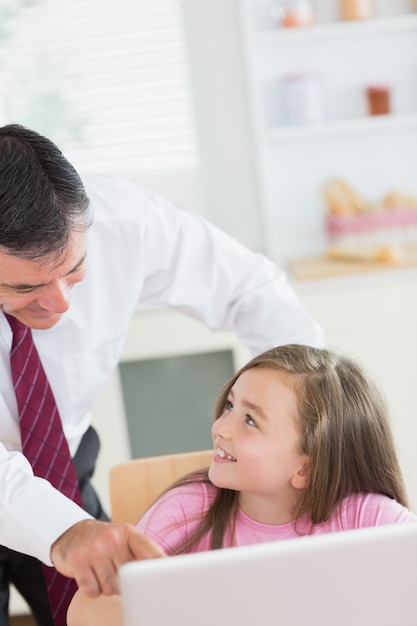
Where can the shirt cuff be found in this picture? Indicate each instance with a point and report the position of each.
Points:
(37, 518)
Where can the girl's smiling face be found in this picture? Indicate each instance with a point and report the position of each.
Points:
(257, 445)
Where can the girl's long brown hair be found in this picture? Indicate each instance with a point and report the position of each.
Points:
(345, 432)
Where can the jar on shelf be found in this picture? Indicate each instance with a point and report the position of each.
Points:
(378, 97)
(301, 98)
(357, 9)
(290, 13)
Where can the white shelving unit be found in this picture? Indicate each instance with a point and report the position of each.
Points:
(345, 127)
(375, 154)
(337, 29)
(261, 179)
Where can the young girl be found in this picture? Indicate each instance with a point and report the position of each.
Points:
(302, 445)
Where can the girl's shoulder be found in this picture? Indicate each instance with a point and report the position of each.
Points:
(173, 517)
(179, 505)
(361, 510)
(189, 495)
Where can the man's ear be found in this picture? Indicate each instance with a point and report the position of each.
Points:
(301, 477)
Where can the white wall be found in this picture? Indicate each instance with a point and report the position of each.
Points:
(230, 187)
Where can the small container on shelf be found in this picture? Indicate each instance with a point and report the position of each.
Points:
(357, 9)
(379, 99)
(293, 13)
(301, 99)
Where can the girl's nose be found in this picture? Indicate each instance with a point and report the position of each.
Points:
(222, 427)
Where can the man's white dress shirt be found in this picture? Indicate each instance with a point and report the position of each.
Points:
(140, 250)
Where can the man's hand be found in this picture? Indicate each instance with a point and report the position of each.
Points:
(91, 552)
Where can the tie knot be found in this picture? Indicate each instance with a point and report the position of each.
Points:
(18, 328)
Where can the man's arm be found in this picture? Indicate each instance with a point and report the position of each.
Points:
(91, 552)
(180, 260)
(212, 277)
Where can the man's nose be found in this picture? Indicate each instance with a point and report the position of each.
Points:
(56, 297)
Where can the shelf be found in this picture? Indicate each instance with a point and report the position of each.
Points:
(338, 29)
(343, 127)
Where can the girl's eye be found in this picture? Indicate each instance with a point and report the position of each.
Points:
(228, 406)
(250, 421)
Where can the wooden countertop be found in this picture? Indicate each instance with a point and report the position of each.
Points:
(311, 268)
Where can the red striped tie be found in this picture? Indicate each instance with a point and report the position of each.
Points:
(43, 444)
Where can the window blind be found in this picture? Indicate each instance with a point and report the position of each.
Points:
(107, 80)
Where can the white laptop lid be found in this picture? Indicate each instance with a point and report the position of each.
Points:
(364, 577)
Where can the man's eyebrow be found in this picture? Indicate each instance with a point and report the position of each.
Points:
(24, 286)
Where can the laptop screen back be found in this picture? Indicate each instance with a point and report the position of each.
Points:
(364, 577)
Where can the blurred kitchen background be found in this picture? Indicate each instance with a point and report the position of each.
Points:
(292, 125)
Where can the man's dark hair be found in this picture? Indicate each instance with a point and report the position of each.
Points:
(42, 197)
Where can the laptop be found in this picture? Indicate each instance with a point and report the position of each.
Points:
(365, 577)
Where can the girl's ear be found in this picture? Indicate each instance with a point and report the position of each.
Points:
(301, 477)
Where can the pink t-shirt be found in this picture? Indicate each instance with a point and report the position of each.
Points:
(172, 518)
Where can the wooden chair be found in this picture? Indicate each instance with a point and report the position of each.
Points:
(136, 484)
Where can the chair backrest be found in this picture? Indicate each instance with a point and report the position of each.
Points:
(136, 484)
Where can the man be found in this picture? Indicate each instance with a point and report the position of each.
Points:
(74, 264)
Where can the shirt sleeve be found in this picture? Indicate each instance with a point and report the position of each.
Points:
(33, 514)
(194, 267)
